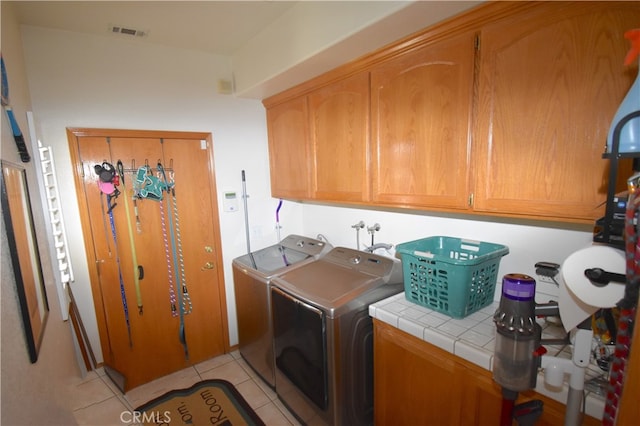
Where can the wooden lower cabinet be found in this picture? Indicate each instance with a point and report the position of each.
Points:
(416, 383)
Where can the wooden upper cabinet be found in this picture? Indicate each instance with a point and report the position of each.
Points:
(339, 136)
(550, 81)
(501, 111)
(421, 103)
(289, 149)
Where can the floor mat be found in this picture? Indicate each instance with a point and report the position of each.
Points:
(210, 402)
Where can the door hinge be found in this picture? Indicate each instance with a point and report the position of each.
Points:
(470, 201)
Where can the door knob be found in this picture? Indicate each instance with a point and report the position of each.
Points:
(208, 265)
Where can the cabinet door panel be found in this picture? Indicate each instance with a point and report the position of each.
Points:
(413, 385)
(483, 398)
(420, 111)
(339, 124)
(288, 149)
(550, 81)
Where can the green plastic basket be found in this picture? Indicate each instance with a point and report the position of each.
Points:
(450, 275)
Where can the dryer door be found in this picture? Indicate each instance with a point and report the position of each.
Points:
(300, 345)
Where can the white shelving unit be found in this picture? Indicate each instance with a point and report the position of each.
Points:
(58, 245)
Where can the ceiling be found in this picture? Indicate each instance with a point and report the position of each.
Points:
(241, 30)
(218, 27)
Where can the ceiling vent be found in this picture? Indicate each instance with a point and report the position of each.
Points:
(133, 32)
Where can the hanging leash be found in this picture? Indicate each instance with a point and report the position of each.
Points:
(176, 239)
(186, 299)
(167, 254)
(180, 286)
(148, 186)
(138, 271)
(123, 295)
(104, 224)
(137, 215)
(107, 183)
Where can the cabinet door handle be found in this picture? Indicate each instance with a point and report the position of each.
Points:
(208, 265)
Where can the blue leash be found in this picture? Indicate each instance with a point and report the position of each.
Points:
(123, 296)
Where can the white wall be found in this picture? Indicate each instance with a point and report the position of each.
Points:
(31, 393)
(92, 81)
(528, 243)
(314, 37)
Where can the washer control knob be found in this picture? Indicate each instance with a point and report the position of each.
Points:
(300, 243)
(356, 259)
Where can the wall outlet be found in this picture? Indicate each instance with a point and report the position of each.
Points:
(545, 279)
(547, 271)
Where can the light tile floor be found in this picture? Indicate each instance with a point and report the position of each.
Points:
(96, 401)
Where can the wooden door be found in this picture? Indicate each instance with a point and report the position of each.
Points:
(339, 133)
(289, 149)
(421, 106)
(172, 250)
(551, 79)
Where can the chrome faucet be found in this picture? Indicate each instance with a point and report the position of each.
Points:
(377, 246)
(358, 226)
(372, 230)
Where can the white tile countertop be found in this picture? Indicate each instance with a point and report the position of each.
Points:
(473, 339)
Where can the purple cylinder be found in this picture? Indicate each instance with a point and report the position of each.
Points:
(518, 287)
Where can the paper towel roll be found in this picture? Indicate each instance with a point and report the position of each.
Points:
(579, 298)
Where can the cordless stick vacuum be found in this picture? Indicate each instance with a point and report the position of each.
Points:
(519, 354)
(518, 350)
